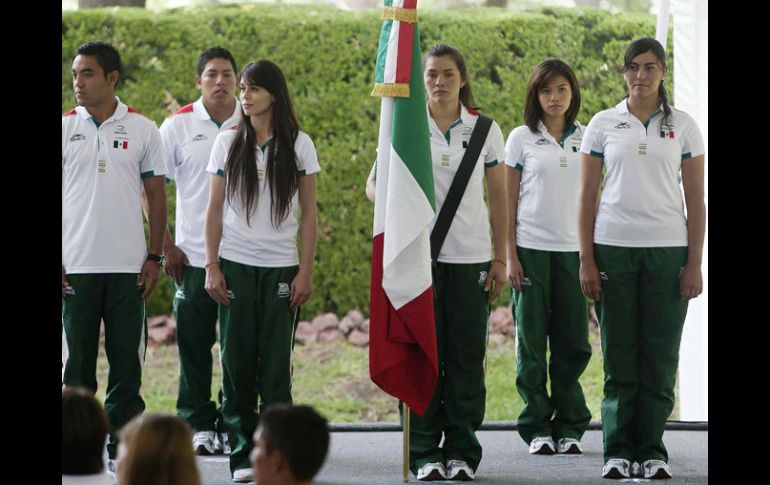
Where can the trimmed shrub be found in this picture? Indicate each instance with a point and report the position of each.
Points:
(328, 57)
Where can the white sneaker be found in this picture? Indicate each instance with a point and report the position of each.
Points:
(458, 470)
(244, 475)
(542, 445)
(203, 442)
(656, 469)
(431, 472)
(569, 446)
(616, 468)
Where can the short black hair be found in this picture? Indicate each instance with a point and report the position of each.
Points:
(215, 52)
(106, 55)
(84, 427)
(300, 434)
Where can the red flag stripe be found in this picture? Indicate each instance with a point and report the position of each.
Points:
(402, 359)
(404, 59)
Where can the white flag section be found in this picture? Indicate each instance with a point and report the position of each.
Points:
(406, 272)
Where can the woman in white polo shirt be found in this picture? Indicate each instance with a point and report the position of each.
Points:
(543, 179)
(466, 278)
(640, 255)
(262, 170)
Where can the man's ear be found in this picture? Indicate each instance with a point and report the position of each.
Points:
(280, 463)
(112, 78)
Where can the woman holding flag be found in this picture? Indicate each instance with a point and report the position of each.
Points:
(467, 274)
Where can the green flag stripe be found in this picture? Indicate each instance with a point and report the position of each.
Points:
(379, 70)
(410, 137)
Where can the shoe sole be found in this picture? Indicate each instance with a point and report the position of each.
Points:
(543, 450)
(614, 474)
(201, 450)
(433, 476)
(572, 450)
(461, 477)
(659, 475)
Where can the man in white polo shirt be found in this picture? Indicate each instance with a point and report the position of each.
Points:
(188, 135)
(110, 153)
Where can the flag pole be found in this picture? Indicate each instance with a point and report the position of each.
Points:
(406, 431)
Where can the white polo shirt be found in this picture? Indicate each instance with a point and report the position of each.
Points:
(261, 244)
(102, 172)
(468, 239)
(642, 204)
(550, 180)
(188, 136)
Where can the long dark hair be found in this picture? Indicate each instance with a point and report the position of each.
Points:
(281, 166)
(648, 44)
(543, 73)
(441, 50)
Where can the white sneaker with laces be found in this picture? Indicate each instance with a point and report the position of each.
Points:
(569, 446)
(542, 445)
(616, 468)
(458, 470)
(656, 469)
(203, 442)
(244, 475)
(431, 472)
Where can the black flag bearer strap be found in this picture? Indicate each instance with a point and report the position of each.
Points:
(459, 183)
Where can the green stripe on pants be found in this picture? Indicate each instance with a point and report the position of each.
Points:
(196, 319)
(257, 337)
(641, 315)
(115, 298)
(551, 307)
(459, 399)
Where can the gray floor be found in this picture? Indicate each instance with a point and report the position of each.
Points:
(375, 458)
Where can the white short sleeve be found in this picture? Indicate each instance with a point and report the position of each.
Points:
(593, 139)
(307, 158)
(219, 152)
(514, 149)
(153, 162)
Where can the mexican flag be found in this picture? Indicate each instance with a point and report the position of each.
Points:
(402, 346)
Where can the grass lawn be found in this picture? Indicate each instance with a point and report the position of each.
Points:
(334, 378)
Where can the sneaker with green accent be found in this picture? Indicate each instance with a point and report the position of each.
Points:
(569, 446)
(616, 468)
(542, 445)
(430, 472)
(656, 469)
(458, 470)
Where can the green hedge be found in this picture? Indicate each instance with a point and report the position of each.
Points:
(328, 57)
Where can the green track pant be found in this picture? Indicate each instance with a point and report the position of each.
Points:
(457, 407)
(641, 315)
(196, 319)
(257, 338)
(551, 308)
(114, 298)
